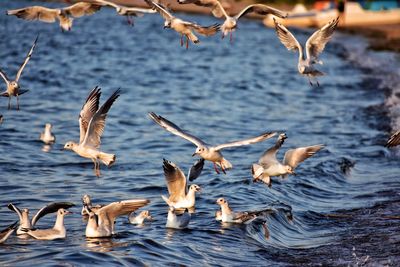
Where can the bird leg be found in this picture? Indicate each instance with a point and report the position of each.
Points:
(222, 168)
(17, 102)
(317, 83)
(215, 168)
(129, 20)
(181, 39)
(309, 80)
(187, 42)
(230, 37)
(9, 102)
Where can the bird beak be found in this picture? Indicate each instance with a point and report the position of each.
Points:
(194, 154)
(150, 218)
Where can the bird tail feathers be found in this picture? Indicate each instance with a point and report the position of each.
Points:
(107, 159)
(225, 164)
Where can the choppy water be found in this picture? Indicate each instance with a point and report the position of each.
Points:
(343, 199)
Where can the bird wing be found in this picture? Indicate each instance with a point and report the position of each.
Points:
(316, 43)
(293, 157)
(88, 110)
(14, 208)
(269, 156)
(116, 209)
(287, 38)
(28, 57)
(204, 30)
(172, 128)
(4, 76)
(249, 141)
(176, 181)
(160, 9)
(216, 7)
(36, 13)
(81, 9)
(51, 208)
(394, 140)
(141, 10)
(262, 10)
(107, 3)
(196, 170)
(98, 122)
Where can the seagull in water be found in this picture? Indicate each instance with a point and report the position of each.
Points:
(129, 12)
(139, 219)
(269, 166)
(13, 87)
(25, 224)
(101, 223)
(185, 28)
(5, 233)
(179, 196)
(87, 202)
(92, 121)
(50, 15)
(394, 140)
(314, 47)
(227, 215)
(230, 23)
(207, 152)
(177, 221)
(47, 137)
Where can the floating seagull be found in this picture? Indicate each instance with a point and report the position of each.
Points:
(228, 216)
(394, 140)
(87, 201)
(185, 28)
(92, 121)
(269, 166)
(139, 219)
(314, 46)
(50, 15)
(101, 223)
(129, 12)
(179, 195)
(207, 152)
(47, 137)
(57, 232)
(230, 23)
(13, 87)
(25, 224)
(176, 221)
(5, 233)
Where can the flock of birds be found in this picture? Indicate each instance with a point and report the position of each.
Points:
(92, 118)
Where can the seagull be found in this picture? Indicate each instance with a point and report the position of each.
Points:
(129, 12)
(101, 222)
(205, 151)
(177, 221)
(5, 233)
(87, 201)
(139, 219)
(269, 166)
(13, 87)
(394, 140)
(226, 214)
(92, 121)
(179, 195)
(57, 232)
(314, 46)
(24, 222)
(185, 28)
(50, 15)
(47, 137)
(230, 23)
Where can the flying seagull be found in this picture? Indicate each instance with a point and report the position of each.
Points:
(205, 151)
(13, 87)
(50, 15)
(269, 166)
(92, 121)
(314, 47)
(230, 23)
(184, 28)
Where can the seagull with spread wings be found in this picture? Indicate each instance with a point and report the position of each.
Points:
(101, 223)
(5, 233)
(227, 215)
(179, 195)
(185, 28)
(92, 121)
(64, 15)
(128, 12)
(269, 166)
(314, 47)
(230, 23)
(25, 224)
(205, 151)
(13, 87)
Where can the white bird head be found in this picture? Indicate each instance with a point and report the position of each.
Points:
(14, 85)
(221, 201)
(86, 200)
(201, 150)
(195, 188)
(69, 145)
(289, 169)
(167, 24)
(63, 212)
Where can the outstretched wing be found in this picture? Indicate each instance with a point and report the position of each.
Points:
(248, 141)
(160, 9)
(196, 170)
(88, 110)
(116, 209)
(81, 9)
(269, 156)
(216, 7)
(98, 122)
(294, 157)
(394, 140)
(176, 181)
(51, 208)
(28, 57)
(4, 76)
(316, 43)
(172, 128)
(14, 208)
(206, 31)
(287, 38)
(36, 13)
(262, 10)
